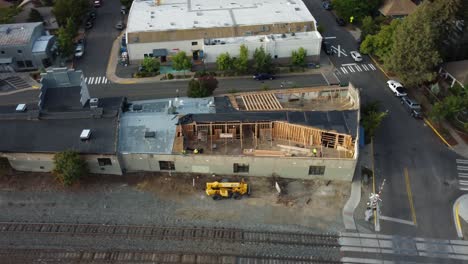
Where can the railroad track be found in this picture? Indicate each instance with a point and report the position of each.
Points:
(13, 256)
(174, 233)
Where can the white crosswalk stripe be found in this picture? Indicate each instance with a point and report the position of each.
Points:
(97, 80)
(462, 168)
(355, 68)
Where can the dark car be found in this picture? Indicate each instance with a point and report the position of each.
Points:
(326, 47)
(92, 15)
(412, 106)
(263, 76)
(327, 5)
(89, 24)
(341, 22)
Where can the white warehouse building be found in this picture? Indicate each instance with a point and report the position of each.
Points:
(206, 28)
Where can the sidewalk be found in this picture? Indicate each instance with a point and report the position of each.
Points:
(461, 148)
(325, 69)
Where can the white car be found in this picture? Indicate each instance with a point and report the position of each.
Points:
(356, 56)
(397, 88)
(79, 51)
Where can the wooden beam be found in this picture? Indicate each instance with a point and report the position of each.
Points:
(241, 137)
(245, 103)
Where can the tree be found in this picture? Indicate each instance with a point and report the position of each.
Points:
(414, 53)
(381, 43)
(356, 8)
(263, 61)
(126, 3)
(69, 167)
(241, 64)
(181, 62)
(370, 25)
(150, 64)
(65, 42)
(74, 9)
(35, 16)
(202, 87)
(224, 62)
(298, 58)
(371, 118)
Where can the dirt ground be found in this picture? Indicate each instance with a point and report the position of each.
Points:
(315, 204)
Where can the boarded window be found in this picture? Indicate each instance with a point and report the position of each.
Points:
(194, 43)
(241, 168)
(316, 170)
(20, 64)
(166, 165)
(104, 162)
(29, 64)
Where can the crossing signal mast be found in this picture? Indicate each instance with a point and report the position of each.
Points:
(373, 206)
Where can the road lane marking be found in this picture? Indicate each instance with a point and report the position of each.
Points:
(462, 161)
(373, 176)
(437, 133)
(105, 80)
(91, 80)
(398, 220)
(372, 66)
(457, 216)
(464, 168)
(343, 69)
(86, 80)
(329, 37)
(410, 196)
(339, 51)
(351, 68)
(348, 64)
(358, 68)
(365, 67)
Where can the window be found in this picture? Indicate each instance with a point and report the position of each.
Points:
(20, 64)
(166, 165)
(20, 51)
(145, 55)
(104, 162)
(29, 64)
(41, 167)
(316, 170)
(241, 168)
(194, 43)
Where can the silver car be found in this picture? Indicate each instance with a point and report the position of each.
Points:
(356, 56)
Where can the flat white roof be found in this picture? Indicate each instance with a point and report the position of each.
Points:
(146, 15)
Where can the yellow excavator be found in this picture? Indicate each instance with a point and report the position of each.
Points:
(224, 189)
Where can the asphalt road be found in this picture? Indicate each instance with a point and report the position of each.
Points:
(402, 143)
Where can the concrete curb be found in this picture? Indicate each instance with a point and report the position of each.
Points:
(352, 203)
(456, 217)
(18, 91)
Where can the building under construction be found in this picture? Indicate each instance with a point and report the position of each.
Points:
(295, 133)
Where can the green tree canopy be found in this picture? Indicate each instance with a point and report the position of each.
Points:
(202, 87)
(74, 9)
(241, 64)
(35, 16)
(414, 53)
(181, 62)
(65, 39)
(298, 58)
(69, 167)
(263, 61)
(381, 43)
(371, 119)
(356, 8)
(151, 64)
(224, 62)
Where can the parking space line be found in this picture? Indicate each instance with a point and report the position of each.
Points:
(372, 66)
(358, 68)
(351, 69)
(365, 67)
(91, 80)
(86, 80)
(343, 69)
(98, 80)
(410, 196)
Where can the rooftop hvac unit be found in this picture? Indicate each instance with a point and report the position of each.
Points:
(21, 108)
(93, 102)
(137, 107)
(85, 134)
(150, 134)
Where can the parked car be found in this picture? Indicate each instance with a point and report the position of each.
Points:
(120, 25)
(92, 15)
(79, 51)
(327, 5)
(263, 76)
(97, 3)
(397, 88)
(340, 21)
(123, 10)
(412, 106)
(356, 56)
(326, 47)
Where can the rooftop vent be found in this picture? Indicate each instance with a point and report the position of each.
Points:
(85, 134)
(199, 14)
(297, 9)
(172, 23)
(21, 108)
(150, 134)
(93, 102)
(195, 22)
